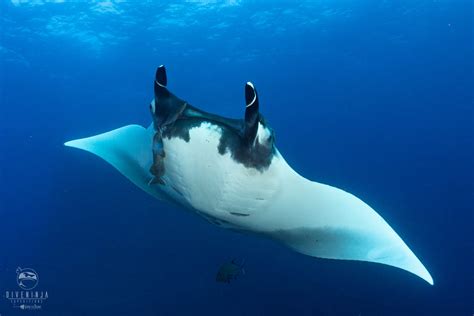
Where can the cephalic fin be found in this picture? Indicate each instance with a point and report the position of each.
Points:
(252, 114)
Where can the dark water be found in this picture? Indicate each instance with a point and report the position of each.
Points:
(374, 97)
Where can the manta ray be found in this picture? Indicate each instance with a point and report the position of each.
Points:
(230, 172)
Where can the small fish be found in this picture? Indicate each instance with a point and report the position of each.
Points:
(230, 271)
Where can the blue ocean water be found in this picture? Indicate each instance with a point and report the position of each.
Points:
(374, 97)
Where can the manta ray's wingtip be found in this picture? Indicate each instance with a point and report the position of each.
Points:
(429, 279)
(405, 259)
(425, 275)
(420, 271)
(77, 143)
(409, 262)
(70, 143)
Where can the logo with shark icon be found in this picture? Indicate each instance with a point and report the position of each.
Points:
(27, 278)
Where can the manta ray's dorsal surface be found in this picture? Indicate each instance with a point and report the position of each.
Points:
(230, 172)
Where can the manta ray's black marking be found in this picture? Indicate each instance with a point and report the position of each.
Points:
(174, 117)
(214, 220)
(239, 214)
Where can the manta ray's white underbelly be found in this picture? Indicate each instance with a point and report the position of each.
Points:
(311, 218)
(197, 175)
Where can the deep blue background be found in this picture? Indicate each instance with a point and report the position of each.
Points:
(375, 97)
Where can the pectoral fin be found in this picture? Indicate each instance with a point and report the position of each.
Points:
(128, 149)
(323, 221)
